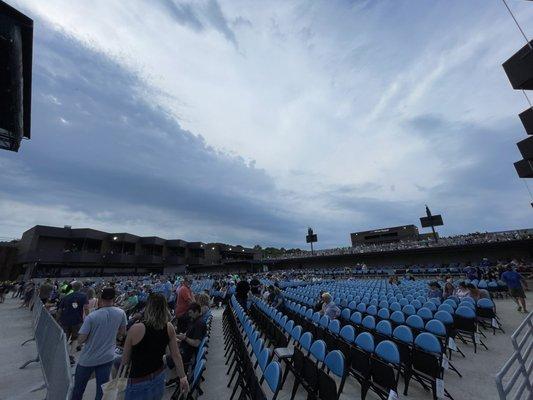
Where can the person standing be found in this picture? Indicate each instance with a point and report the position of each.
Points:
(145, 346)
(255, 286)
(184, 299)
(514, 282)
(45, 291)
(71, 310)
(241, 292)
(98, 332)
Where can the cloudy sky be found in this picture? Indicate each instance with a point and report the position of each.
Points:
(247, 121)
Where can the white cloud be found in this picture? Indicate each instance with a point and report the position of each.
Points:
(317, 94)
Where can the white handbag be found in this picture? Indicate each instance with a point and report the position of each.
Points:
(116, 388)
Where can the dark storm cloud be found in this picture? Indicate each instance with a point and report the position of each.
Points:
(183, 14)
(98, 143)
(198, 16)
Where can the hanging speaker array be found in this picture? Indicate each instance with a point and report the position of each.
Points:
(16, 48)
(519, 70)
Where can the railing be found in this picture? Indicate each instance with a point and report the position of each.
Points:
(515, 379)
(52, 353)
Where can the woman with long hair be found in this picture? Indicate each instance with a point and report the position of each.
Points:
(204, 300)
(145, 346)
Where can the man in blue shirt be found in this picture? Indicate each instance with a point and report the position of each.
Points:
(70, 312)
(514, 282)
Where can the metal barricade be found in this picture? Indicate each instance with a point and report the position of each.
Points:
(515, 379)
(52, 350)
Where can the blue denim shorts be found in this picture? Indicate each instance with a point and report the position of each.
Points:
(152, 389)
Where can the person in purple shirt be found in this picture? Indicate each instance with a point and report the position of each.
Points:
(514, 282)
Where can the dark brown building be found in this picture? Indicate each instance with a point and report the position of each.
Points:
(385, 235)
(8, 260)
(47, 250)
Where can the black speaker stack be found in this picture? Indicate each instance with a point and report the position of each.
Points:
(16, 48)
(519, 70)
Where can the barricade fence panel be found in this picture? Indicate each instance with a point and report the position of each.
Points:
(515, 379)
(53, 354)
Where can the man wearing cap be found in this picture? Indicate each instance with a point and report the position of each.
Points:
(99, 333)
(70, 312)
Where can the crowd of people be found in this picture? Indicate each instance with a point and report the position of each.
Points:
(153, 324)
(457, 240)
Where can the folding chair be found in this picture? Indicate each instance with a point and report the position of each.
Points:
(486, 315)
(295, 363)
(427, 362)
(272, 376)
(369, 323)
(309, 375)
(327, 386)
(403, 337)
(425, 313)
(360, 355)
(466, 326)
(447, 319)
(345, 341)
(438, 329)
(397, 318)
(383, 331)
(385, 369)
(415, 322)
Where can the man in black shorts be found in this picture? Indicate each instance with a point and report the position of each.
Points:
(70, 311)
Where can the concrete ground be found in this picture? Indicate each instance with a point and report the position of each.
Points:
(478, 369)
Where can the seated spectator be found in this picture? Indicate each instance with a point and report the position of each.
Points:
(255, 286)
(318, 305)
(435, 291)
(131, 301)
(275, 298)
(268, 290)
(204, 300)
(329, 308)
(462, 291)
(476, 293)
(190, 340)
(448, 288)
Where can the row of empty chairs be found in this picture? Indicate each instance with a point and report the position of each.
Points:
(375, 362)
(241, 343)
